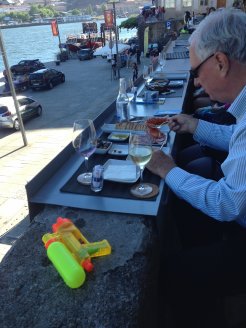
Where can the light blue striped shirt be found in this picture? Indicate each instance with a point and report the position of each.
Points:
(224, 200)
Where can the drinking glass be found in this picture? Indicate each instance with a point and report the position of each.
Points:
(146, 75)
(162, 59)
(151, 70)
(140, 151)
(84, 142)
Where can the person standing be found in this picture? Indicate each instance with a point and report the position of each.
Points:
(113, 64)
(138, 53)
(135, 71)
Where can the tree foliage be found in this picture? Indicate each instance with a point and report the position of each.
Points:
(130, 23)
(76, 12)
(43, 11)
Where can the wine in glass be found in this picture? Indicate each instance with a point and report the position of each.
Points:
(162, 59)
(84, 142)
(140, 151)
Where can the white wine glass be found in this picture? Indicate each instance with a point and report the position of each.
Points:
(140, 151)
(162, 58)
(85, 143)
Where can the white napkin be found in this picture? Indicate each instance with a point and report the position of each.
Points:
(120, 172)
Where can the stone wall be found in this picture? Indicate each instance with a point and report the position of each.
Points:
(120, 293)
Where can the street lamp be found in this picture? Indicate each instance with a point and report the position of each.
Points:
(116, 34)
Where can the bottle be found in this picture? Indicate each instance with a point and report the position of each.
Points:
(134, 91)
(97, 178)
(122, 103)
(64, 262)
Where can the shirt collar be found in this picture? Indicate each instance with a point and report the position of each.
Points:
(238, 107)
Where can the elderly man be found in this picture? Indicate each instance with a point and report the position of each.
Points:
(198, 275)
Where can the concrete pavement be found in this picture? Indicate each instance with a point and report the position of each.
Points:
(88, 90)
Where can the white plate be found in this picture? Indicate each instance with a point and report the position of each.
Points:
(118, 136)
(118, 150)
(121, 171)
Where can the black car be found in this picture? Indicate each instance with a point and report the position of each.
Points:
(27, 66)
(46, 78)
(84, 54)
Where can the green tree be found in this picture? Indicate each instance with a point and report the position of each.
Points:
(89, 10)
(23, 16)
(34, 10)
(46, 12)
(130, 23)
(103, 7)
(76, 12)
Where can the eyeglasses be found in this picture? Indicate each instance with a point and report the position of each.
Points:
(195, 72)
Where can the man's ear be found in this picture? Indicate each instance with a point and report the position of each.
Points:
(223, 63)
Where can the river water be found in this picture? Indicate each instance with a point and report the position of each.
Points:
(32, 42)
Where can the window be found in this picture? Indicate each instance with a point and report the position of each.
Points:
(3, 109)
(203, 2)
(187, 3)
(170, 4)
(25, 101)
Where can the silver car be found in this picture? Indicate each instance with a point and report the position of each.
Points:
(28, 108)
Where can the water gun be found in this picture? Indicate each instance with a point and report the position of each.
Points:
(76, 251)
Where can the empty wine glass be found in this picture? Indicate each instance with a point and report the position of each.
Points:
(84, 142)
(140, 151)
(148, 72)
(162, 59)
(146, 75)
(151, 70)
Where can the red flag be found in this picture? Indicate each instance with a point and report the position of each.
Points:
(109, 18)
(54, 28)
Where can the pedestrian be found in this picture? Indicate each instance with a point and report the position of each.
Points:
(128, 55)
(135, 71)
(212, 212)
(138, 53)
(113, 64)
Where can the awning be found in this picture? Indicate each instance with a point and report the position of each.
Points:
(104, 51)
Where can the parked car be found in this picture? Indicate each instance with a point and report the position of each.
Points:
(27, 66)
(28, 108)
(21, 82)
(46, 78)
(84, 54)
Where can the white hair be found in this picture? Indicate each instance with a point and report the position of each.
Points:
(223, 30)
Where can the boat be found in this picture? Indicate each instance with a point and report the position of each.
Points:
(76, 42)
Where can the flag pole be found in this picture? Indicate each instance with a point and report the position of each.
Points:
(12, 88)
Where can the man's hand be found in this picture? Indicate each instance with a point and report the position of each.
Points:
(160, 163)
(183, 123)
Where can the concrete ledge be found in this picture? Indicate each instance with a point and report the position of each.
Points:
(121, 292)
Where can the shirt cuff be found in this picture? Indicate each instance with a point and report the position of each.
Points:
(176, 177)
(201, 132)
